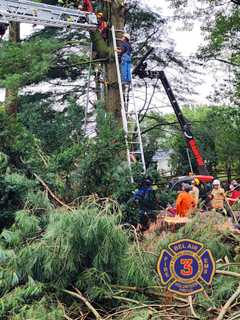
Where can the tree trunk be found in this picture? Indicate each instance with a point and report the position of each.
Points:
(112, 96)
(115, 12)
(12, 94)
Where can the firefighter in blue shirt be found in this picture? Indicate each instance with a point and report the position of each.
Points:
(125, 55)
(145, 198)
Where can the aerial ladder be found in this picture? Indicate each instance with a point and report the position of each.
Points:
(141, 71)
(47, 15)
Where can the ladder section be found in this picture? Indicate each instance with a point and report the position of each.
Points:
(46, 15)
(134, 131)
(130, 119)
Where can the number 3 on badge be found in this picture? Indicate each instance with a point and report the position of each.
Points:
(187, 267)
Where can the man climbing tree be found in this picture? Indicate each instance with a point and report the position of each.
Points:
(125, 52)
(111, 13)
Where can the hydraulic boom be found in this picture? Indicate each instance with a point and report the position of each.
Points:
(141, 71)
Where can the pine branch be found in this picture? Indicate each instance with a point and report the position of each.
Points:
(85, 301)
(228, 304)
(228, 273)
(51, 193)
(192, 308)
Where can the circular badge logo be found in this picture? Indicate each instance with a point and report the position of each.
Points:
(185, 266)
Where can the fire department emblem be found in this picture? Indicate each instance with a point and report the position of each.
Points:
(186, 266)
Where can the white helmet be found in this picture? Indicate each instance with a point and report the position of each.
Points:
(216, 183)
(126, 35)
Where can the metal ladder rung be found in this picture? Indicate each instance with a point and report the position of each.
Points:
(125, 102)
(47, 15)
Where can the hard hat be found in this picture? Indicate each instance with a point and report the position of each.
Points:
(99, 14)
(196, 181)
(126, 35)
(216, 183)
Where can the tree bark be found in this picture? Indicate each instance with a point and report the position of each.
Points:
(112, 96)
(11, 98)
(115, 12)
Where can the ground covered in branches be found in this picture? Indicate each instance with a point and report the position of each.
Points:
(81, 264)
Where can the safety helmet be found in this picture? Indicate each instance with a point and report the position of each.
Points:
(127, 36)
(196, 181)
(99, 14)
(216, 183)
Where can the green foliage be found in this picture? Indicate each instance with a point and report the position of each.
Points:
(26, 62)
(13, 193)
(85, 248)
(99, 161)
(166, 197)
(41, 310)
(216, 131)
(13, 302)
(221, 31)
(203, 228)
(56, 130)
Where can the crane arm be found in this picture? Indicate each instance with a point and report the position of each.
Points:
(141, 71)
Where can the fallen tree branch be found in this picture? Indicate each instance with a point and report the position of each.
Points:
(64, 312)
(229, 265)
(192, 308)
(79, 295)
(228, 304)
(51, 193)
(236, 316)
(128, 300)
(148, 292)
(228, 273)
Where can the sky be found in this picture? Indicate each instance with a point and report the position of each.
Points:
(187, 43)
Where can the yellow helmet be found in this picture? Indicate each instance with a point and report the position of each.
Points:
(99, 14)
(197, 181)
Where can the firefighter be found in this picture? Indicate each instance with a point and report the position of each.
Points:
(185, 203)
(102, 25)
(125, 55)
(195, 190)
(145, 199)
(234, 193)
(217, 196)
